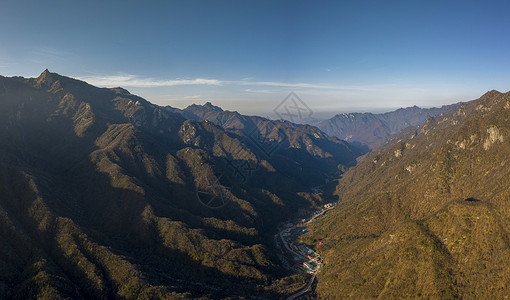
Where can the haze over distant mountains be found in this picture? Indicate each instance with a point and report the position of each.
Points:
(366, 131)
(372, 130)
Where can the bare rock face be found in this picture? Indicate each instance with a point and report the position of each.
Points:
(494, 137)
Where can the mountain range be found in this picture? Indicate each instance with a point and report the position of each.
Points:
(427, 216)
(105, 195)
(370, 131)
(323, 152)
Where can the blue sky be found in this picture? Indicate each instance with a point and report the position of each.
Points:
(338, 56)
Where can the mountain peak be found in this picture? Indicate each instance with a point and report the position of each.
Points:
(207, 106)
(120, 90)
(491, 93)
(210, 106)
(46, 78)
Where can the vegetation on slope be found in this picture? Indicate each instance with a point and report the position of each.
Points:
(428, 215)
(99, 197)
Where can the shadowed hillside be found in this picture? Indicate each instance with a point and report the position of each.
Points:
(105, 195)
(304, 143)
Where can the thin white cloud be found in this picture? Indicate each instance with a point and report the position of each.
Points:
(126, 80)
(258, 91)
(6, 63)
(300, 85)
(192, 97)
(135, 81)
(48, 51)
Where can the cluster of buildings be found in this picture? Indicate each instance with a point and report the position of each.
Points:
(305, 257)
(307, 252)
(311, 265)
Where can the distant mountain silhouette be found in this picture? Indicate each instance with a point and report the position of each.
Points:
(372, 130)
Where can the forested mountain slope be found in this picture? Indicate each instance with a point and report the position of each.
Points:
(427, 216)
(105, 195)
(300, 142)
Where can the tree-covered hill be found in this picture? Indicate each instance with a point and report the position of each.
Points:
(428, 216)
(105, 195)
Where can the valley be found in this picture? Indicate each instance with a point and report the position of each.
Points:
(120, 197)
(297, 256)
(254, 150)
(108, 195)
